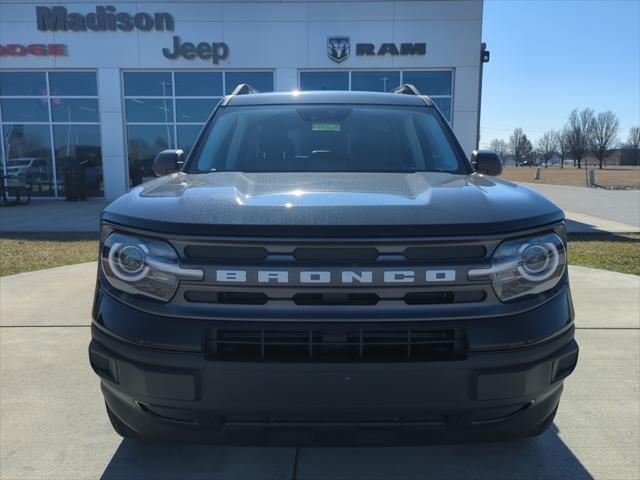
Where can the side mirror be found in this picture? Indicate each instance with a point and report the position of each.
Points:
(168, 161)
(487, 162)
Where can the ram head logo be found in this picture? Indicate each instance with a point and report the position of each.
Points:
(338, 48)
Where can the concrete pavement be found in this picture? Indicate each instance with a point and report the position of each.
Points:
(595, 209)
(53, 216)
(53, 424)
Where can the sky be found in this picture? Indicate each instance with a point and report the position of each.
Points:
(549, 57)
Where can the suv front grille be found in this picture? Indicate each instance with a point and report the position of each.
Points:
(335, 344)
(311, 278)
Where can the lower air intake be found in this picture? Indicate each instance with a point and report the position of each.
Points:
(336, 345)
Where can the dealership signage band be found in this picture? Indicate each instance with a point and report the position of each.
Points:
(108, 19)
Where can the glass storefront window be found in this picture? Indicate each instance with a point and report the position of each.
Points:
(429, 82)
(261, 81)
(180, 105)
(198, 84)
(78, 146)
(435, 83)
(78, 84)
(187, 135)
(152, 110)
(148, 84)
(28, 152)
(444, 104)
(22, 83)
(74, 110)
(324, 80)
(54, 129)
(143, 144)
(190, 111)
(381, 81)
(24, 110)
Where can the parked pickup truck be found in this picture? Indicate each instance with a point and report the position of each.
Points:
(330, 268)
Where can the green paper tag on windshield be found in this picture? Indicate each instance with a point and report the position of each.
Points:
(325, 127)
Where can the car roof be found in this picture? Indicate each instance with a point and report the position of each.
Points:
(326, 96)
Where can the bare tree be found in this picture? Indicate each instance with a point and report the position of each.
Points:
(528, 153)
(516, 144)
(605, 134)
(499, 146)
(562, 141)
(580, 126)
(633, 143)
(547, 145)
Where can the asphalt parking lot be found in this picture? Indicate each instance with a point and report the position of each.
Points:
(53, 424)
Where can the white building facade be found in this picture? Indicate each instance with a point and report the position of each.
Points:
(108, 85)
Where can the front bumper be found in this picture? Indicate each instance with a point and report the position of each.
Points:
(184, 396)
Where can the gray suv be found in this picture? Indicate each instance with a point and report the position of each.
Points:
(330, 268)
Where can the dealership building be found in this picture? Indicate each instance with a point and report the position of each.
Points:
(106, 86)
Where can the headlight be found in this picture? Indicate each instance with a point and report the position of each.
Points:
(525, 267)
(141, 266)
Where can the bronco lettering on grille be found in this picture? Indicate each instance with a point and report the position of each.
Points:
(335, 276)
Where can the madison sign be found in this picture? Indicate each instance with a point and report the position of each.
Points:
(104, 19)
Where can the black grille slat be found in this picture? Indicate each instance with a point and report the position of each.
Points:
(445, 252)
(336, 345)
(225, 253)
(334, 298)
(335, 254)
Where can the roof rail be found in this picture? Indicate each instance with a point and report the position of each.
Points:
(241, 89)
(406, 89)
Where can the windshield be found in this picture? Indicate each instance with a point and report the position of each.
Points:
(326, 138)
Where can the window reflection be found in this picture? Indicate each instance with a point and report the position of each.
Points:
(78, 147)
(444, 104)
(23, 83)
(30, 123)
(151, 110)
(198, 84)
(261, 81)
(187, 135)
(154, 124)
(74, 109)
(143, 144)
(381, 81)
(435, 83)
(324, 80)
(429, 82)
(79, 84)
(192, 111)
(28, 153)
(24, 110)
(148, 84)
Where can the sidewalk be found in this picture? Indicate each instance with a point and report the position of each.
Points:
(53, 216)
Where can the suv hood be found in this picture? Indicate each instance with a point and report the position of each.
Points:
(301, 204)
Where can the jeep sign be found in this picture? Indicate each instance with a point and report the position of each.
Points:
(215, 52)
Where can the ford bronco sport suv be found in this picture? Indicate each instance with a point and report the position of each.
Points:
(329, 268)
